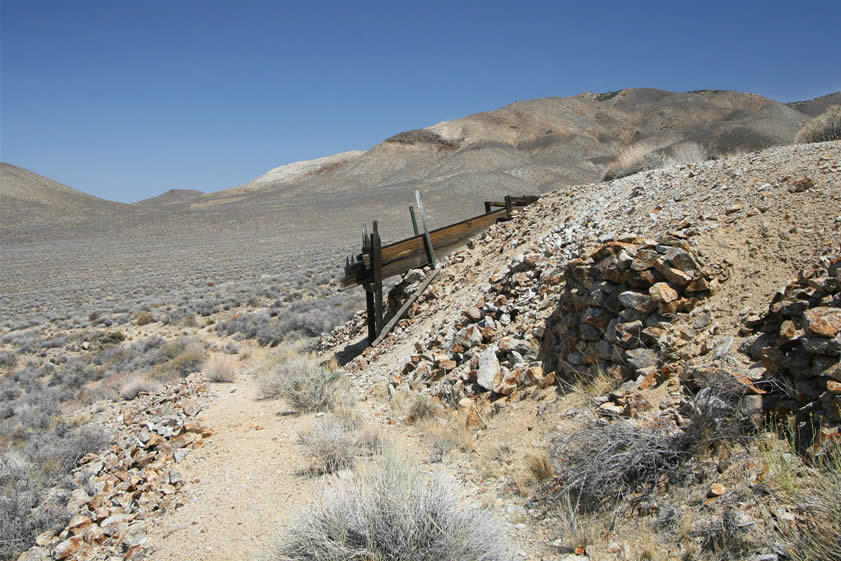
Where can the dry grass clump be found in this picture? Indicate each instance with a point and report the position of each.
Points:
(303, 383)
(539, 465)
(632, 159)
(133, 385)
(688, 153)
(331, 442)
(824, 127)
(220, 369)
(422, 407)
(393, 511)
(815, 487)
(446, 435)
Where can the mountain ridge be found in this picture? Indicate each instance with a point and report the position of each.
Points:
(526, 147)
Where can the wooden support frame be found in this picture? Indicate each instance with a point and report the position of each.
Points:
(377, 262)
(402, 311)
(427, 239)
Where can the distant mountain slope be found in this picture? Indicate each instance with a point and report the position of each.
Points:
(27, 198)
(814, 107)
(526, 147)
(172, 198)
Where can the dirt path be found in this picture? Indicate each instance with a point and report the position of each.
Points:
(241, 487)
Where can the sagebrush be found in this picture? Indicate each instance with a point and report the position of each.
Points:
(393, 511)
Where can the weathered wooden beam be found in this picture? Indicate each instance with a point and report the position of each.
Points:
(414, 220)
(411, 253)
(402, 311)
(399, 257)
(430, 250)
(377, 267)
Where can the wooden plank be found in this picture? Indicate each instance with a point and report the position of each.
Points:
(427, 241)
(410, 253)
(402, 311)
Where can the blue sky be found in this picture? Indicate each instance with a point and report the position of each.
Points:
(125, 100)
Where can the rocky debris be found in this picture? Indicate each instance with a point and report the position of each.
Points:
(352, 329)
(121, 489)
(400, 292)
(796, 346)
(617, 306)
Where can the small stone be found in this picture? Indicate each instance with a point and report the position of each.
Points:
(489, 369)
(823, 321)
(641, 358)
(637, 301)
(717, 490)
(469, 337)
(661, 292)
(67, 548)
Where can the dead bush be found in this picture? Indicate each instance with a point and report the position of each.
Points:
(393, 511)
(602, 463)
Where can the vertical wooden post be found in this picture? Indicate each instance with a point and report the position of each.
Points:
(430, 251)
(487, 207)
(377, 267)
(414, 220)
(508, 206)
(371, 310)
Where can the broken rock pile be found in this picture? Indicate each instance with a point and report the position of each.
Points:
(134, 480)
(617, 304)
(798, 341)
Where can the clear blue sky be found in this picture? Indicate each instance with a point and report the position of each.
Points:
(125, 100)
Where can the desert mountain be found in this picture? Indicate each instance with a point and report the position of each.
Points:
(27, 198)
(524, 148)
(173, 197)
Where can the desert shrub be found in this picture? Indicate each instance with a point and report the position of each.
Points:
(132, 386)
(188, 361)
(23, 511)
(826, 126)
(604, 462)
(331, 442)
(393, 511)
(220, 369)
(303, 382)
(8, 360)
(422, 407)
(112, 338)
(633, 159)
(144, 318)
(58, 451)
